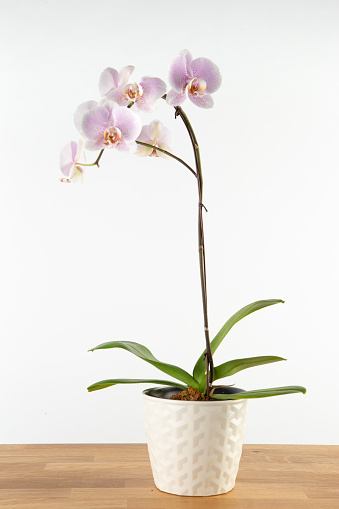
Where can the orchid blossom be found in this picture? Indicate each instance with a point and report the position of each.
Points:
(69, 158)
(107, 126)
(117, 87)
(199, 77)
(158, 136)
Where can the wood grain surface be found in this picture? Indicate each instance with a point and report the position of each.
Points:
(118, 476)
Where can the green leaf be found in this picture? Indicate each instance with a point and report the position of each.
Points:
(231, 367)
(262, 393)
(143, 353)
(200, 366)
(108, 383)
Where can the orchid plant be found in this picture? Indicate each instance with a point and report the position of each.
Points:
(112, 123)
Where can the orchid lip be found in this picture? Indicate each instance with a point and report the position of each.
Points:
(154, 153)
(133, 91)
(197, 86)
(112, 136)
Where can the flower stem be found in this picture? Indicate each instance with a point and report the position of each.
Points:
(169, 154)
(208, 354)
(96, 162)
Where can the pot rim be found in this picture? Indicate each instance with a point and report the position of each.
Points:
(210, 403)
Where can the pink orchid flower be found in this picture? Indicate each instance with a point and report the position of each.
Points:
(157, 135)
(107, 126)
(117, 87)
(69, 158)
(200, 77)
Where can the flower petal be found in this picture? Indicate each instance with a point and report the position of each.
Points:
(67, 157)
(174, 98)
(208, 71)
(167, 138)
(94, 123)
(109, 105)
(76, 174)
(128, 122)
(166, 142)
(155, 130)
(144, 104)
(80, 152)
(127, 147)
(109, 79)
(204, 101)
(153, 89)
(164, 146)
(178, 75)
(143, 151)
(144, 134)
(118, 96)
(95, 145)
(187, 54)
(81, 110)
(125, 73)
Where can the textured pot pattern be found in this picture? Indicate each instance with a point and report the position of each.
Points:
(194, 446)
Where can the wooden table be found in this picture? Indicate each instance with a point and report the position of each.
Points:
(119, 476)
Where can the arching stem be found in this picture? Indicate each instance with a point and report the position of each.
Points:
(169, 154)
(96, 162)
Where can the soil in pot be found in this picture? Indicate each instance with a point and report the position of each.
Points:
(190, 395)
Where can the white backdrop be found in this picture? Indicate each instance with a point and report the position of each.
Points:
(117, 257)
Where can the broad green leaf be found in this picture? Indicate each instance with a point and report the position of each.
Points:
(143, 353)
(231, 367)
(200, 366)
(108, 383)
(262, 393)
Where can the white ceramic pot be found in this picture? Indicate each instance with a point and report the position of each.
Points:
(194, 446)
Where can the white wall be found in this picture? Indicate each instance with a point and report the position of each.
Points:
(116, 258)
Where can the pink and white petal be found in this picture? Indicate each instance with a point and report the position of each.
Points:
(102, 101)
(128, 122)
(67, 157)
(66, 168)
(125, 73)
(109, 79)
(118, 96)
(80, 112)
(187, 54)
(174, 98)
(153, 88)
(144, 151)
(205, 101)
(145, 104)
(155, 130)
(77, 174)
(144, 134)
(95, 145)
(178, 75)
(208, 71)
(167, 138)
(94, 123)
(164, 146)
(127, 146)
(109, 106)
(80, 155)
